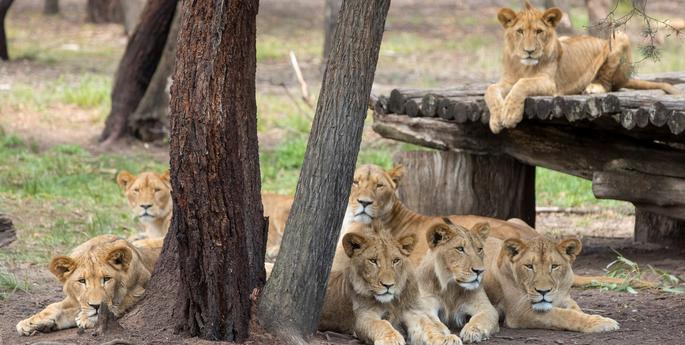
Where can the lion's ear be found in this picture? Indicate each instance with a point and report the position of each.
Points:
(166, 178)
(482, 230)
(552, 16)
(62, 267)
(407, 244)
(124, 178)
(354, 244)
(514, 247)
(506, 16)
(438, 234)
(396, 174)
(120, 258)
(570, 247)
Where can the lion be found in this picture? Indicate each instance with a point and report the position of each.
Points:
(450, 277)
(373, 196)
(529, 282)
(377, 293)
(538, 63)
(104, 269)
(149, 196)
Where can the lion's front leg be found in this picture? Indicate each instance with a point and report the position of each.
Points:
(428, 330)
(494, 99)
(565, 319)
(54, 317)
(512, 112)
(370, 328)
(481, 326)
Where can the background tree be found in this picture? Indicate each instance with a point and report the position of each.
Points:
(137, 67)
(217, 238)
(330, 20)
(597, 11)
(290, 304)
(565, 26)
(51, 7)
(4, 7)
(104, 11)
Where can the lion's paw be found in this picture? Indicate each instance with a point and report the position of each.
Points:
(601, 324)
(449, 339)
(473, 334)
(595, 88)
(512, 113)
(85, 321)
(391, 339)
(26, 327)
(495, 126)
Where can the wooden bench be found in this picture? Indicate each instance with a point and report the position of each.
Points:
(630, 144)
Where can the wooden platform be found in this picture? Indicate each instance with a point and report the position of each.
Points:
(631, 144)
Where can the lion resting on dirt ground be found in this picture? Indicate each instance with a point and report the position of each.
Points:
(377, 293)
(149, 196)
(529, 282)
(450, 278)
(537, 63)
(104, 269)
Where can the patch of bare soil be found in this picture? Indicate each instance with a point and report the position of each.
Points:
(649, 317)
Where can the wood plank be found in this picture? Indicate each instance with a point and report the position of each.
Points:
(639, 188)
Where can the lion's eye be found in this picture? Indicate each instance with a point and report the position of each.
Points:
(82, 281)
(355, 182)
(136, 190)
(106, 279)
(538, 31)
(395, 261)
(554, 267)
(480, 250)
(157, 190)
(519, 31)
(460, 249)
(529, 266)
(380, 185)
(373, 261)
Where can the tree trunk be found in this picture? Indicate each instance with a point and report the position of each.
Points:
(51, 7)
(150, 121)
(597, 11)
(483, 185)
(4, 7)
(131, 10)
(330, 19)
(291, 303)
(565, 26)
(104, 11)
(137, 66)
(655, 228)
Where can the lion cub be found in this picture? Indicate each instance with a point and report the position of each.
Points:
(377, 293)
(450, 278)
(530, 281)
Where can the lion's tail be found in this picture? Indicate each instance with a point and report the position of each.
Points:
(579, 281)
(652, 85)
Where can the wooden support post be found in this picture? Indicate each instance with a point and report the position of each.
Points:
(656, 228)
(447, 182)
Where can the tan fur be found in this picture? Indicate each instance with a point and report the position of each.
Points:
(377, 293)
(538, 63)
(450, 278)
(378, 187)
(104, 269)
(149, 196)
(517, 271)
(277, 208)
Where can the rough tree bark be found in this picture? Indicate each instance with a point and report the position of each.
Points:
(218, 228)
(597, 11)
(104, 11)
(51, 7)
(137, 66)
(290, 305)
(330, 19)
(485, 185)
(4, 7)
(150, 121)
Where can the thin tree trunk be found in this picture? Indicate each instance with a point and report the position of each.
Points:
(330, 20)
(137, 66)
(104, 11)
(218, 228)
(51, 7)
(597, 11)
(290, 305)
(150, 120)
(4, 7)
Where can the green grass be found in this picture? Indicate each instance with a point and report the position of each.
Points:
(9, 283)
(63, 196)
(558, 189)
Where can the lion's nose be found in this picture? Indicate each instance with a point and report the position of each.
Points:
(529, 51)
(543, 291)
(364, 203)
(146, 206)
(387, 286)
(477, 271)
(94, 306)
